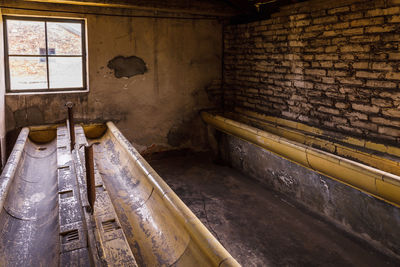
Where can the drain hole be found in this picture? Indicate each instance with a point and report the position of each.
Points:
(42, 148)
(66, 194)
(109, 226)
(62, 147)
(63, 167)
(100, 189)
(70, 236)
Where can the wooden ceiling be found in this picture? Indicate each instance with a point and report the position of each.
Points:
(251, 10)
(239, 11)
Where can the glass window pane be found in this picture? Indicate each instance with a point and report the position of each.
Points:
(26, 37)
(28, 73)
(65, 72)
(64, 38)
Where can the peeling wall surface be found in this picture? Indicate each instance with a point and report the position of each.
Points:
(127, 66)
(155, 97)
(353, 211)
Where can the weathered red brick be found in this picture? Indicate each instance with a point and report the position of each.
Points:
(381, 102)
(314, 28)
(354, 31)
(339, 120)
(327, 57)
(381, 12)
(394, 56)
(378, 29)
(350, 81)
(323, 20)
(357, 115)
(392, 95)
(331, 49)
(365, 38)
(380, 120)
(354, 48)
(338, 10)
(303, 84)
(342, 25)
(389, 131)
(392, 112)
(351, 16)
(367, 74)
(360, 65)
(330, 33)
(341, 105)
(383, 84)
(337, 73)
(365, 108)
(318, 72)
(365, 125)
(381, 66)
(349, 129)
(393, 76)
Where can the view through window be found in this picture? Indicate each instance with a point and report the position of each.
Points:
(44, 54)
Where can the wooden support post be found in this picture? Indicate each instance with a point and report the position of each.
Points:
(71, 124)
(2, 98)
(90, 179)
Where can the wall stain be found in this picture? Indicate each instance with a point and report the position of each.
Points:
(179, 134)
(127, 66)
(28, 116)
(155, 62)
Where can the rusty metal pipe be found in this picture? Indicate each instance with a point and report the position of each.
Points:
(71, 126)
(90, 178)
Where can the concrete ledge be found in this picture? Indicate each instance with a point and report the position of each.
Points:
(380, 184)
(354, 211)
(345, 192)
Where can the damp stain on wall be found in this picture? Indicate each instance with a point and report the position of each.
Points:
(127, 66)
(28, 116)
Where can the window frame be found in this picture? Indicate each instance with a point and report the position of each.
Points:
(49, 90)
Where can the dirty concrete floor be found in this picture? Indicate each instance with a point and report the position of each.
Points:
(257, 226)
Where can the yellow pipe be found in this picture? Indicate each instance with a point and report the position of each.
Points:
(385, 164)
(383, 185)
(392, 150)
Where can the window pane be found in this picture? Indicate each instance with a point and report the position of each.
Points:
(65, 72)
(28, 73)
(26, 37)
(64, 38)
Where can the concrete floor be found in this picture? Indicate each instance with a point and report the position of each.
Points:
(257, 226)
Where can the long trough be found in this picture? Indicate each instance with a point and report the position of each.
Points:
(137, 219)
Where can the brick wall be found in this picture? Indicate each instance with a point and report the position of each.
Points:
(335, 64)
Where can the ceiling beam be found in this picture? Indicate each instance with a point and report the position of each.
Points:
(244, 6)
(127, 5)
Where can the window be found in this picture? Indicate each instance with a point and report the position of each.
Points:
(44, 54)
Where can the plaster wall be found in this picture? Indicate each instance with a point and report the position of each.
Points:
(156, 110)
